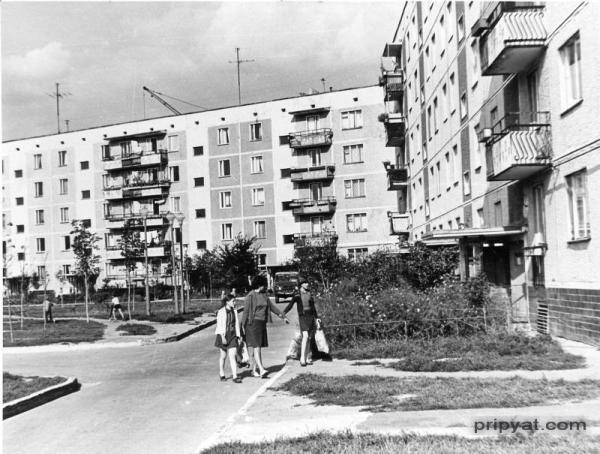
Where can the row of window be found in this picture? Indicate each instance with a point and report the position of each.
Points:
(62, 162)
(63, 190)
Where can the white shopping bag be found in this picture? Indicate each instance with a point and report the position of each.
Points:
(320, 340)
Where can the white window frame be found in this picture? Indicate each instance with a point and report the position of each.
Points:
(570, 80)
(352, 119)
(356, 222)
(38, 189)
(255, 131)
(40, 244)
(62, 158)
(63, 185)
(353, 154)
(64, 215)
(258, 196)
(176, 204)
(39, 217)
(37, 161)
(456, 164)
(579, 211)
(260, 229)
(356, 254)
(223, 136)
(353, 187)
(463, 105)
(225, 199)
(227, 231)
(173, 143)
(315, 156)
(256, 164)
(222, 169)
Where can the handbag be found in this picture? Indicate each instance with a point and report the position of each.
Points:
(241, 355)
(320, 339)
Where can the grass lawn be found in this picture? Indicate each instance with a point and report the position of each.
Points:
(328, 443)
(33, 333)
(494, 351)
(15, 386)
(136, 329)
(424, 393)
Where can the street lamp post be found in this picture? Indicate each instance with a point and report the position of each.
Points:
(144, 212)
(180, 218)
(171, 219)
(187, 276)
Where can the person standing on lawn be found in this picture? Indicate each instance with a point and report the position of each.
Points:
(254, 322)
(48, 311)
(307, 316)
(228, 336)
(115, 306)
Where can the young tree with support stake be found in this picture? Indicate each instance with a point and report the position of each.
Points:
(132, 248)
(85, 246)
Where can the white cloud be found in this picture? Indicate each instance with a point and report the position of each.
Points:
(50, 61)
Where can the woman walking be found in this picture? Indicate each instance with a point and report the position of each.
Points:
(228, 336)
(254, 322)
(307, 316)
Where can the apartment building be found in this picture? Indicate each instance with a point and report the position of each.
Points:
(497, 128)
(291, 172)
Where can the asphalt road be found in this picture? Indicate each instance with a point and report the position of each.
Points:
(164, 398)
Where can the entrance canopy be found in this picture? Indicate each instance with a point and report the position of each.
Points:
(472, 233)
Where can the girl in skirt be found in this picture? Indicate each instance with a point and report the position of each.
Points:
(228, 336)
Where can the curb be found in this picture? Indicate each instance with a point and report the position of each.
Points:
(38, 398)
(178, 337)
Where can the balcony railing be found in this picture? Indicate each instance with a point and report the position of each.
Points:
(397, 177)
(162, 250)
(311, 206)
(311, 138)
(118, 216)
(399, 223)
(520, 146)
(313, 173)
(395, 128)
(141, 159)
(515, 38)
(393, 84)
(323, 239)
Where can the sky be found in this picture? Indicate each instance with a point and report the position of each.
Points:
(102, 53)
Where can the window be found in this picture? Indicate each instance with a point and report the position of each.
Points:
(125, 149)
(537, 218)
(173, 142)
(40, 244)
(315, 156)
(19, 200)
(106, 152)
(37, 161)
(62, 158)
(416, 78)
(461, 28)
(87, 223)
(199, 151)
(438, 178)
(260, 229)
(85, 194)
(41, 271)
(452, 93)
(225, 199)
(455, 164)
(475, 60)
(255, 131)
(256, 164)
(537, 267)
(570, 66)
(498, 214)
(226, 232)
(20, 256)
(39, 217)
(356, 254)
(67, 240)
(352, 119)
(222, 136)
(353, 154)
(199, 182)
(20, 228)
(426, 207)
(18, 174)
(261, 260)
(480, 219)
(39, 189)
(176, 204)
(356, 222)
(224, 168)
(463, 105)
(258, 196)
(466, 183)
(435, 114)
(354, 188)
(445, 104)
(63, 185)
(201, 245)
(579, 205)
(66, 269)
(200, 213)
(174, 173)
(429, 128)
(64, 215)
(448, 171)
(312, 122)
(84, 165)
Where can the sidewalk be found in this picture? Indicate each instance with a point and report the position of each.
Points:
(278, 414)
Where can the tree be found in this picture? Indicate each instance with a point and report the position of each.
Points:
(426, 266)
(131, 248)
(321, 264)
(201, 271)
(237, 262)
(85, 247)
(62, 280)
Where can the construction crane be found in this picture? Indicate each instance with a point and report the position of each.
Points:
(154, 94)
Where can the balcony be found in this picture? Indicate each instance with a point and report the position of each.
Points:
(141, 159)
(116, 220)
(312, 138)
(395, 128)
(312, 173)
(399, 223)
(393, 84)
(397, 177)
(309, 206)
(514, 39)
(520, 146)
(164, 250)
(323, 239)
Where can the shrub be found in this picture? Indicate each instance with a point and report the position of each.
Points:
(425, 267)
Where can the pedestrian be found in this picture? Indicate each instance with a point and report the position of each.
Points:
(47, 305)
(115, 306)
(254, 322)
(307, 316)
(228, 336)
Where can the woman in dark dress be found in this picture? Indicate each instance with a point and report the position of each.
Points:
(307, 316)
(254, 322)
(228, 335)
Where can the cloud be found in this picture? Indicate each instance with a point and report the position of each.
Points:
(50, 61)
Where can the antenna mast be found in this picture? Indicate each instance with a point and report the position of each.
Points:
(238, 61)
(58, 95)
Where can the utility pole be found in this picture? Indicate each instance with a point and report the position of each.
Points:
(238, 61)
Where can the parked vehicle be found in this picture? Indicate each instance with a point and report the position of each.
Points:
(285, 284)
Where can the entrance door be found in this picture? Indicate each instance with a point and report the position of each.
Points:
(496, 263)
(315, 157)
(312, 122)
